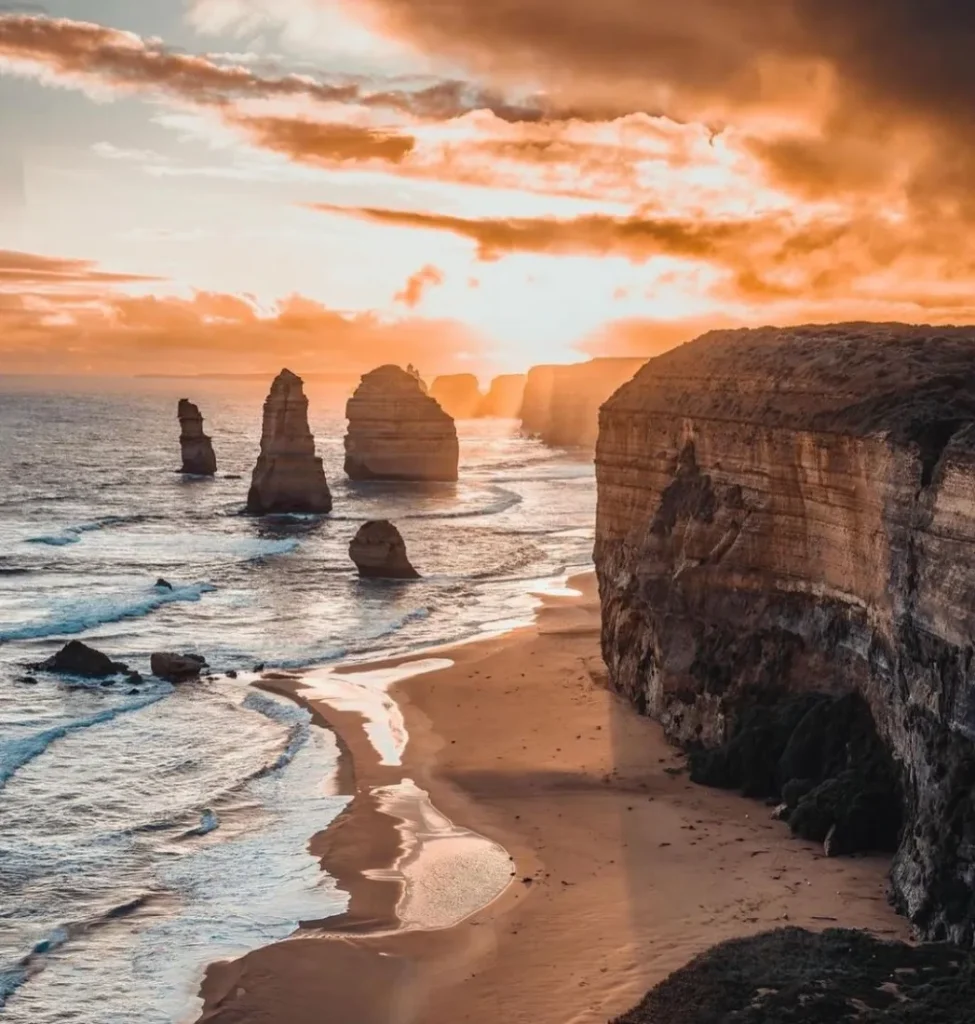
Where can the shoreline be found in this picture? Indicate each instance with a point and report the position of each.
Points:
(620, 869)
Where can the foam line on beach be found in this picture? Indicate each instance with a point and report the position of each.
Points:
(366, 693)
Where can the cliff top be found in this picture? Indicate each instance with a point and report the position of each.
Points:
(855, 378)
(286, 380)
(391, 378)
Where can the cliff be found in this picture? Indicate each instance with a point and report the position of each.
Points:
(397, 431)
(288, 477)
(504, 398)
(561, 403)
(459, 395)
(786, 529)
(196, 447)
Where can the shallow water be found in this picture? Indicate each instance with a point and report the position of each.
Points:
(150, 832)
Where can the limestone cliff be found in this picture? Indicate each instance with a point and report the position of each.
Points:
(288, 477)
(504, 397)
(561, 403)
(458, 394)
(397, 431)
(792, 512)
(196, 447)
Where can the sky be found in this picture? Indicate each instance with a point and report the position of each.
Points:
(192, 186)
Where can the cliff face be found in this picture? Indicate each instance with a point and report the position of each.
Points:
(397, 431)
(561, 403)
(196, 447)
(288, 477)
(504, 397)
(459, 395)
(784, 513)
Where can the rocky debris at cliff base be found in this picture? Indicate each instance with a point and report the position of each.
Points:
(195, 446)
(792, 976)
(176, 668)
(821, 756)
(397, 431)
(78, 659)
(379, 552)
(288, 477)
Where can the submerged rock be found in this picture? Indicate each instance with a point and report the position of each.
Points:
(176, 668)
(288, 477)
(786, 517)
(197, 448)
(162, 584)
(836, 977)
(397, 431)
(78, 659)
(379, 552)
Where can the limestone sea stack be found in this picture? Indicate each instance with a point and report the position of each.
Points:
(458, 394)
(397, 431)
(288, 477)
(561, 403)
(379, 552)
(504, 397)
(197, 449)
(785, 546)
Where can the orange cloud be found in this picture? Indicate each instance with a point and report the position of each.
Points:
(307, 141)
(418, 284)
(22, 269)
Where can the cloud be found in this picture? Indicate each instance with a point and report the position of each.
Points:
(19, 269)
(66, 316)
(417, 286)
(308, 141)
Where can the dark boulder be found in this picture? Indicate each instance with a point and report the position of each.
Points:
(78, 659)
(177, 668)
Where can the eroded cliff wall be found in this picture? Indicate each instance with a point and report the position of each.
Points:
(793, 511)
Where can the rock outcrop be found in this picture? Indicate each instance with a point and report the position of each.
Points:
(838, 976)
(792, 512)
(397, 431)
(176, 668)
(288, 477)
(458, 394)
(379, 552)
(196, 447)
(78, 659)
(561, 403)
(504, 398)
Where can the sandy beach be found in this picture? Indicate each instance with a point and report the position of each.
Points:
(522, 846)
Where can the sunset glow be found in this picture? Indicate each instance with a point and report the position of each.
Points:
(226, 180)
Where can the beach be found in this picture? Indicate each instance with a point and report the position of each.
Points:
(522, 846)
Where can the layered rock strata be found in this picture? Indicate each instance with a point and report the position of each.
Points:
(790, 512)
(561, 403)
(459, 395)
(379, 552)
(196, 447)
(397, 431)
(288, 477)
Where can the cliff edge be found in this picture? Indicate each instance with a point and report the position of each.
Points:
(787, 518)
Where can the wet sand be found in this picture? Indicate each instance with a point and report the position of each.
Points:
(620, 869)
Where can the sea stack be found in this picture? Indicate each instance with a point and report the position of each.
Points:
(288, 477)
(197, 449)
(458, 394)
(379, 552)
(397, 431)
(504, 398)
(785, 546)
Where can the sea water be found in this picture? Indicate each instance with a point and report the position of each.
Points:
(149, 830)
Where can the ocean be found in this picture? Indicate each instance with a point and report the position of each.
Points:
(149, 829)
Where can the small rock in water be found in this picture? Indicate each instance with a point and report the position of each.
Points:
(379, 552)
(27, 680)
(134, 678)
(78, 659)
(162, 584)
(231, 673)
(259, 668)
(175, 668)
